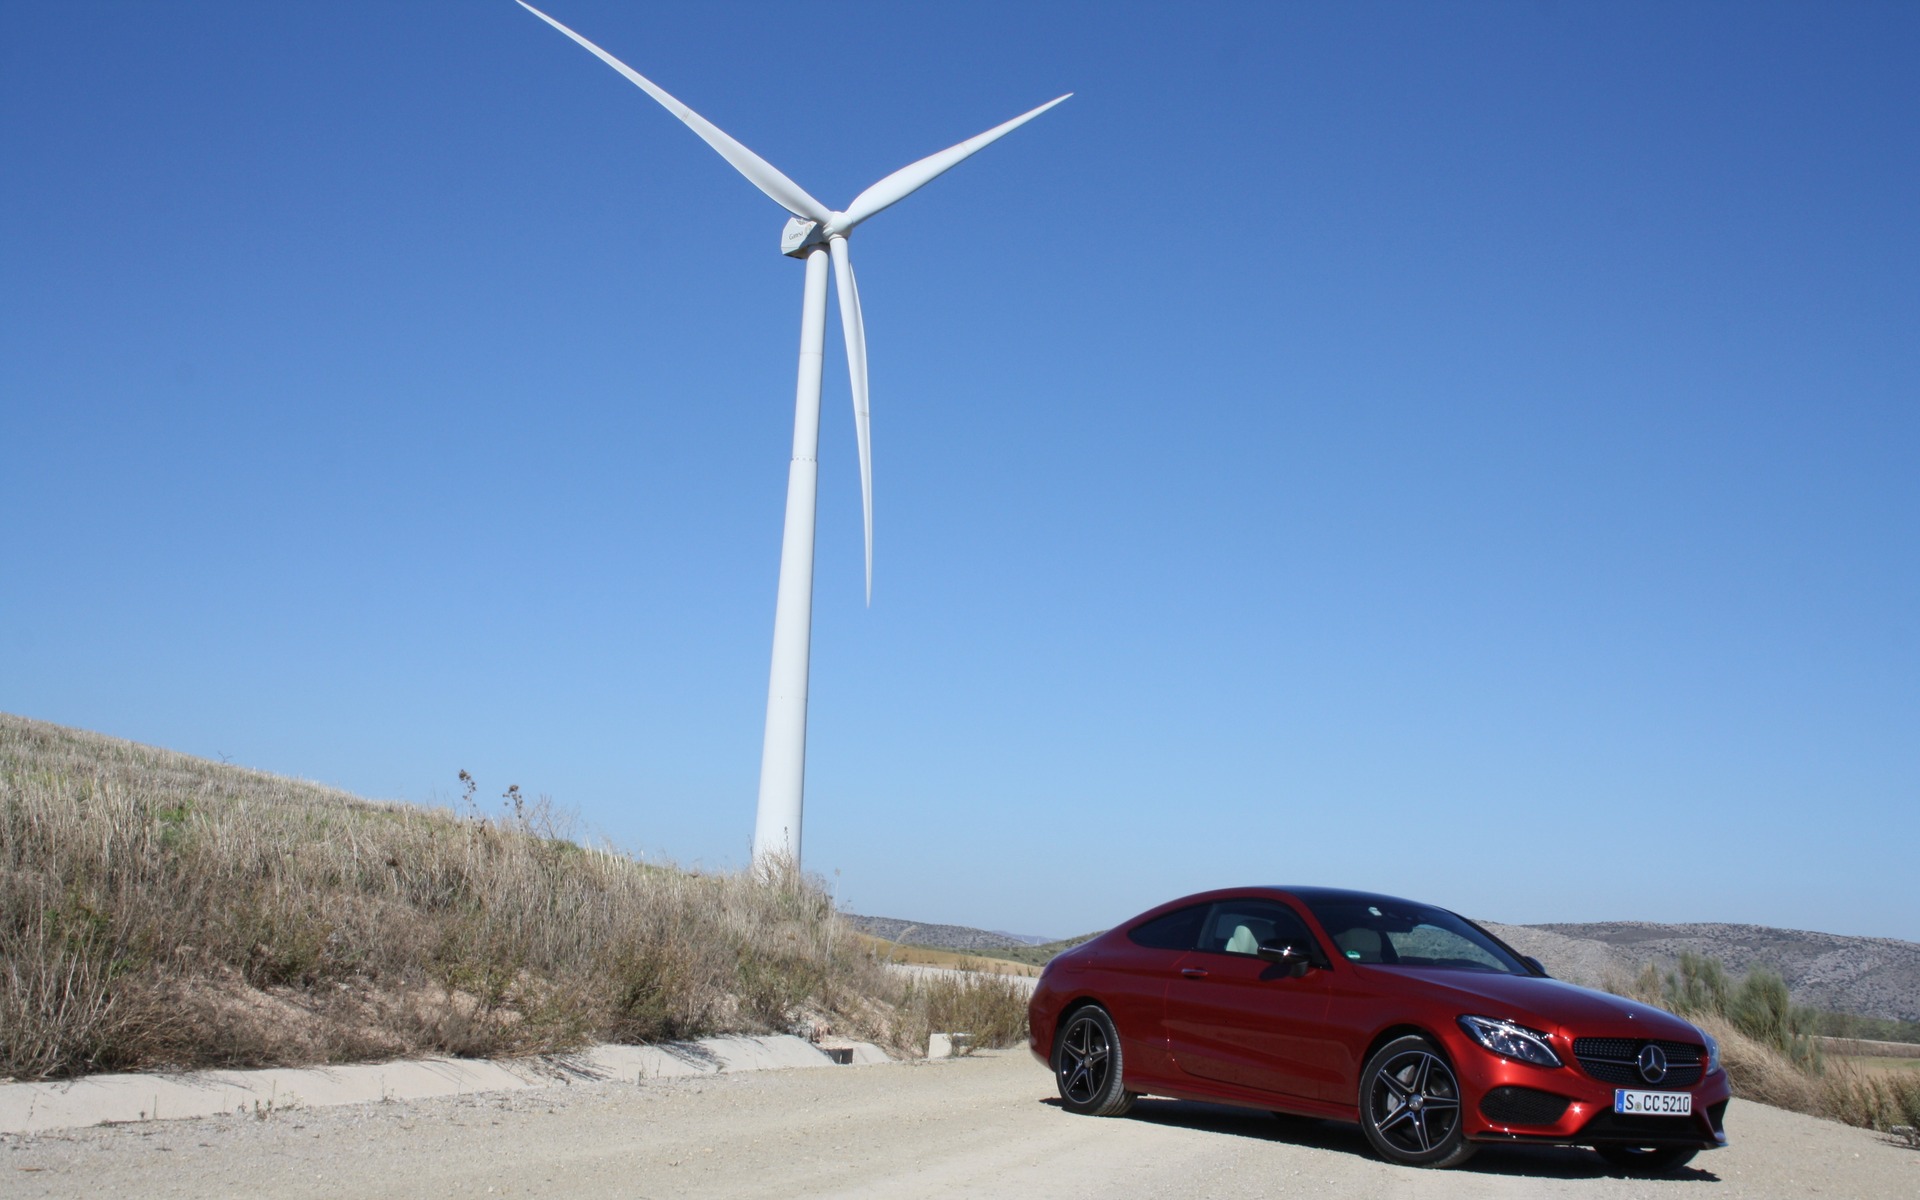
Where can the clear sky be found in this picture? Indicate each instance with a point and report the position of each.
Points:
(1468, 451)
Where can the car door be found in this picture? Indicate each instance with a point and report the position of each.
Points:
(1235, 1018)
(1134, 971)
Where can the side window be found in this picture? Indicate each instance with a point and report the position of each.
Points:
(1239, 926)
(1177, 930)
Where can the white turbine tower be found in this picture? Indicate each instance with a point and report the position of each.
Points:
(815, 234)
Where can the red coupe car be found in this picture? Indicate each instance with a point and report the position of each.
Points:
(1431, 1033)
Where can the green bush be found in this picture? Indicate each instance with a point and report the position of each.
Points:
(1761, 1009)
(1758, 1005)
(1697, 984)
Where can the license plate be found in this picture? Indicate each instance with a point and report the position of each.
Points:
(1653, 1104)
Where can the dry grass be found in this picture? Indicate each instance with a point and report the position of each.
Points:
(158, 910)
(989, 1007)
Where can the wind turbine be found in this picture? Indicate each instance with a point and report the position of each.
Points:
(815, 234)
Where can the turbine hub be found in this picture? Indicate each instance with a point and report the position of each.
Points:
(801, 236)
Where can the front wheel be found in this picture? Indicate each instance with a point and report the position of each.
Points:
(1086, 1065)
(1646, 1160)
(1410, 1105)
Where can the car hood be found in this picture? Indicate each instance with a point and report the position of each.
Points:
(1546, 1004)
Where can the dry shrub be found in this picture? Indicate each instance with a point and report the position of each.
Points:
(159, 910)
(58, 1002)
(987, 1006)
(1760, 1073)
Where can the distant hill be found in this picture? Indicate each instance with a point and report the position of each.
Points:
(987, 943)
(1025, 939)
(942, 937)
(1867, 977)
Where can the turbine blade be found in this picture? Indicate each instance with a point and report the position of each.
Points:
(911, 178)
(856, 330)
(759, 172)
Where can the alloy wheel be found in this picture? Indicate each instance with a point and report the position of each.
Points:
(1085, 1060)
(1415, 1101)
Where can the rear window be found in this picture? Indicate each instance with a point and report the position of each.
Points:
(1177, 930)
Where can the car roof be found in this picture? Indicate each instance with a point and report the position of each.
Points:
(1307, 895)
(1347, 895)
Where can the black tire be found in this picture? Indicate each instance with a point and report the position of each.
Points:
(1410, 1105)
(1646, 1160)
(1086, 1065)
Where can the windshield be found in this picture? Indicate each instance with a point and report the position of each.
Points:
(1395, 933)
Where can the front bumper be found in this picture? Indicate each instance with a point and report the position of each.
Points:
(1509, 1101)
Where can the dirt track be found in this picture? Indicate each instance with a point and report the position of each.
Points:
(982, 1126)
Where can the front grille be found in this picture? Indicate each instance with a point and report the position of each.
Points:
(1617, 1060)
(1522, 1106)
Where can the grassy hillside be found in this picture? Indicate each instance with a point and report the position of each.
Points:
(909, 954)
(1038, 956)
(158, 910)
(1024, 959)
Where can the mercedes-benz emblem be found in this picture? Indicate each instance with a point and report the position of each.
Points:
(1653, 1063)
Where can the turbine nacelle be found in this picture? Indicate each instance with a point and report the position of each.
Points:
(801, 236)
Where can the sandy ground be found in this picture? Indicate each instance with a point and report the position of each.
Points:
(966, 1127)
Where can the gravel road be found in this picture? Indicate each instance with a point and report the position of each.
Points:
(975, 1126)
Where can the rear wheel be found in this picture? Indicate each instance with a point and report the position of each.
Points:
(1410, 1105)
(1646, 1160)
(1086, 1065)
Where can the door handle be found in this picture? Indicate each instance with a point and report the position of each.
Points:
(1193, 972)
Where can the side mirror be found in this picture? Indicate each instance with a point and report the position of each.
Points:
(1533, 962)
(1291, 955)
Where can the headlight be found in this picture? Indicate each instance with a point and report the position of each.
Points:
(1713, 1052)
(1511, 1041)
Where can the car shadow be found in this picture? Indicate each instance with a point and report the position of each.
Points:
(1533, 1162)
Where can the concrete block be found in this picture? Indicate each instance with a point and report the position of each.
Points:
(946, 1045)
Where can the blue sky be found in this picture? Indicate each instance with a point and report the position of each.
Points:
(1466, 451)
